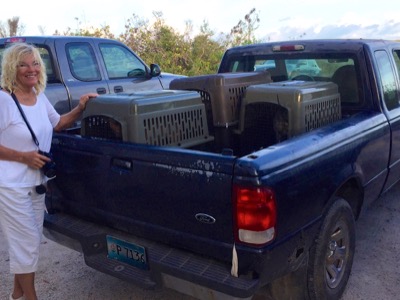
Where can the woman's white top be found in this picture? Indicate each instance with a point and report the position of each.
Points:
(14, 134)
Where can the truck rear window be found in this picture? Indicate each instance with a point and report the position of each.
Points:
(340, 70)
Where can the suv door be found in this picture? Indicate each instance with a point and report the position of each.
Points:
(80, 69)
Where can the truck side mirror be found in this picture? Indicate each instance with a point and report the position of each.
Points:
(155, 70)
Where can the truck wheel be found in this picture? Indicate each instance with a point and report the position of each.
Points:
(331, 257)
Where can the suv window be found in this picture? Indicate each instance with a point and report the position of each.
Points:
(120, 62)
(82, 62)
(44, 53)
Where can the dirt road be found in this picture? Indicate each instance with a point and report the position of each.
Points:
(63, 275)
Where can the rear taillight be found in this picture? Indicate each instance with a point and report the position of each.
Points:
(255, 214)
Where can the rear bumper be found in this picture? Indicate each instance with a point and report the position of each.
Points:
(168, 267)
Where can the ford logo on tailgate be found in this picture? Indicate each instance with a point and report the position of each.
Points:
(204, 218)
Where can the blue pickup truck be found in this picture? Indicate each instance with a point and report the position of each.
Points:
(236, 184)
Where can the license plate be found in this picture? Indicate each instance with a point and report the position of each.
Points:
(126, 252)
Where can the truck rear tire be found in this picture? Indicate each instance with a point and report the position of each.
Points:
(331, 257)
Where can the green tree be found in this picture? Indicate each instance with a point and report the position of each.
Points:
(173, 51)
(158, 43)
(136, 35)
(206, 52)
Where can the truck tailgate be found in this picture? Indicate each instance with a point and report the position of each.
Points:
(166, 194)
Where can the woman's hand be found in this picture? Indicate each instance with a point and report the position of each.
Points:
(34, 159)
(70, 117)
(84, 99)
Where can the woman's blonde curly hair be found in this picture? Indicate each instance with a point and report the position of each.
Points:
(12, 57)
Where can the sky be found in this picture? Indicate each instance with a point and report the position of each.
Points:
(279, 20)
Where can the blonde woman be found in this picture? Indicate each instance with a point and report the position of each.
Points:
(23, 81)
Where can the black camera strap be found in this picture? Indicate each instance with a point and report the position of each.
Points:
(41, 188)
(25, 119)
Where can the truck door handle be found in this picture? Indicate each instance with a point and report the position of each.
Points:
(101, 90)
(122, 163)
(118, 89)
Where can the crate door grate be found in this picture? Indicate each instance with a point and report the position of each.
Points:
(321, 113)
(177, 128)
(103, 127)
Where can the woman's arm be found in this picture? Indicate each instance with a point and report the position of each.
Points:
(66, 120)
(33, 159)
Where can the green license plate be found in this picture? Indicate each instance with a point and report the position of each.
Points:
(130, 253)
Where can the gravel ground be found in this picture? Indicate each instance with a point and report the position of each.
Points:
(376, 270)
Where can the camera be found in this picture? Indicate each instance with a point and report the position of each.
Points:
(49, 169)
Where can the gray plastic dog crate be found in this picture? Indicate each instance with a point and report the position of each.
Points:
(292, 107)
(162, 118)
(222, 92)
